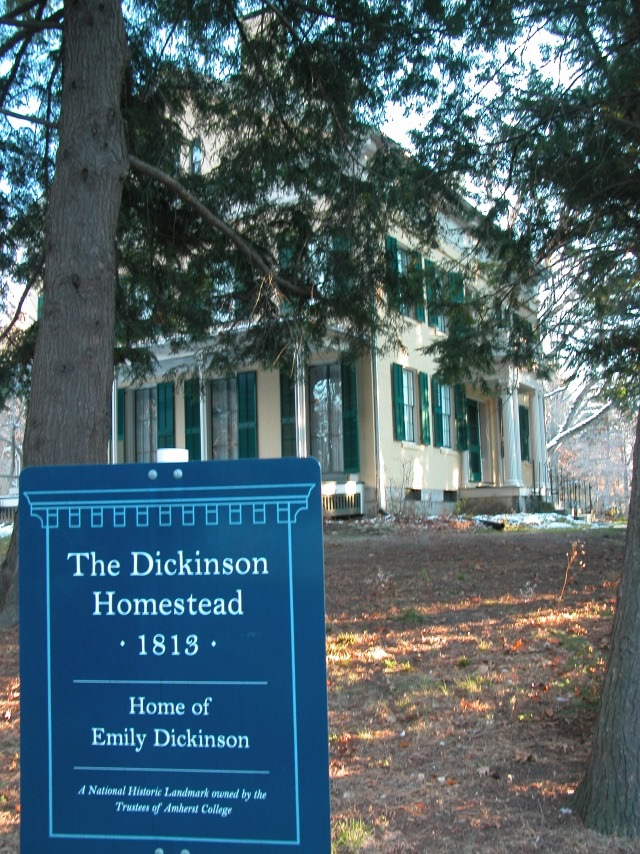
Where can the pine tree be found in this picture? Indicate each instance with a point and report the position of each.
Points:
(163, 176)
(545, 122)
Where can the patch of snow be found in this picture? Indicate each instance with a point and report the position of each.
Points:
(536, 520)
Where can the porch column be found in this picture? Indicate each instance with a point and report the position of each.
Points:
(204, 417)
(302, 449)
(114, 421)
(511, 438)
(538, 447)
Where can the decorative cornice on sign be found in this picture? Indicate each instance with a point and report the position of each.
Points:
(120, 506)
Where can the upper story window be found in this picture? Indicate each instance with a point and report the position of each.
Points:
(435, 280)
(405, 283)
(420, 289)
(196, 157)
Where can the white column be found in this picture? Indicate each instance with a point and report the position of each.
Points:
(538, 445)
(204, 420)
(511, 438)
(302, 449)
(114, 421)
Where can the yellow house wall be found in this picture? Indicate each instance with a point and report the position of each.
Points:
(268, 395)
(409, 465)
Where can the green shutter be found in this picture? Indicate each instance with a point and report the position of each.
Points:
(523, 414)
(475, 447)
(433, 279)
(456, 287)
(247, 415)
(350, 418)
(421, 309)
(287, 415)
(425, 428)
(192, 418)
(393, 273)
(418, 287)
(166, 421)
(438, 433)
(286, 259)
(462, 430)
(398, 403)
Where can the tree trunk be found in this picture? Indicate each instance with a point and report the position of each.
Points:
(68, 419)
(608, 799)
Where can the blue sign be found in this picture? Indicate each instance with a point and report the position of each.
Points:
(172, 658)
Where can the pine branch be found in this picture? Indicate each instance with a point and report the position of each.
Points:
(25, 38)
(203, 211)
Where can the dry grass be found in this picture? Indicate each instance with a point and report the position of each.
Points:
(462, 689)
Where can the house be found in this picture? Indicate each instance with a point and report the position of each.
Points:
(389, 435)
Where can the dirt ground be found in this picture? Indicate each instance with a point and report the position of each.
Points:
(463, 683)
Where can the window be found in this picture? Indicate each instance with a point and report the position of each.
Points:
(405, 285)
(475, 442)
(234, 417)
(525, 452)
(441, 413)
(434, 277)
(224, 419)
(195, 157)
(411, 405)
(334, 417)
(330, 260)
(154, 417)
(460, 411)
(523, 340)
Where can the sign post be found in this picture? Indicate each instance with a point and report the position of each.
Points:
(172, 658)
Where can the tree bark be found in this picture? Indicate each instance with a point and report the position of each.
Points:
(608, 798)
(68, 419)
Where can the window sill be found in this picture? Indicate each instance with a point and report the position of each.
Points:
(449, 452)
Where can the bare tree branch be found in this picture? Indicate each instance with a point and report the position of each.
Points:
(564, 434)
(22, 10)
(34, 120)
(4, 334)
